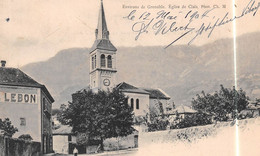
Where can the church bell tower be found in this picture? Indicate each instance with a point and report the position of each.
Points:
(102, 57)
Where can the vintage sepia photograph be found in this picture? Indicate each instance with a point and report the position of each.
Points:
(129, 78)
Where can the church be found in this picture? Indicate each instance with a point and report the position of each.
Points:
(103, 75)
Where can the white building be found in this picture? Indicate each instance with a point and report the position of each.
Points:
(143, 100)
(27, 104)
(103, 74)
(62, 138)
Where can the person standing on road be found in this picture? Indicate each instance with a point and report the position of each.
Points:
(75, 152)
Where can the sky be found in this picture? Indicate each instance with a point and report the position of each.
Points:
(35, 30)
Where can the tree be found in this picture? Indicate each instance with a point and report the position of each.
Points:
(7, 128)
(197, 119)
(26, 137)
(222, 105)
(101, 115)
(156, 111)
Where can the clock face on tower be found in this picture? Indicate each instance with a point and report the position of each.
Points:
(106, 82)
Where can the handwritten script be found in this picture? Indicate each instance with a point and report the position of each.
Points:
(164, 22)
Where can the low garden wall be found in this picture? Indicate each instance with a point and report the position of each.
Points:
(130, 141)
(192, 134)
(14, 147)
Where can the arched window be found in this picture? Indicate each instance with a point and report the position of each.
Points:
(103, 61)
(109, 61)
(132, 103)
(95, 62)
(92, 62)
(137, 103)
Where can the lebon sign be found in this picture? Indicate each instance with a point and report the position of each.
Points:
(17, 98)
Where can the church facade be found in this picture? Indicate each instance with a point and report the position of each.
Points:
(103, 75)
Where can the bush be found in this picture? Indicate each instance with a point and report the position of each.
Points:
(26, 137)
(158, 124)
(224, 104)
(7, 128)
(197, 119)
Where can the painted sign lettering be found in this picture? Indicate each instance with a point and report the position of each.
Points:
(18, 98)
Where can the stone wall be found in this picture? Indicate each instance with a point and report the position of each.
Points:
(192, 134)
(15, 147)
(2, 146)
(130, 141)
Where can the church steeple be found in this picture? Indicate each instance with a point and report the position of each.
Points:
(102, 34)
(102, 31)
(102, 58)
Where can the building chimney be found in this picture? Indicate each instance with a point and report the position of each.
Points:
(3, 62)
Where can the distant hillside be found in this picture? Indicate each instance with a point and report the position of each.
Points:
(182, 71)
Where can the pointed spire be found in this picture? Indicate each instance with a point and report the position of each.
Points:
(102, 34)
(101, 31)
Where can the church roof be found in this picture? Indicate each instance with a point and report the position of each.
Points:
(156, 93)
(102, 34)
(15, 77)
(125, 87)
(153, 93)
(103, 45)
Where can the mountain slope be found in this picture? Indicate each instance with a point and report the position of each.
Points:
(182, 71)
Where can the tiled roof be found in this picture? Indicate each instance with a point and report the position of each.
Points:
(156, 93)
(62, 130)
(183, 109)
(125, 87)
(15, 77)
(103, 44)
